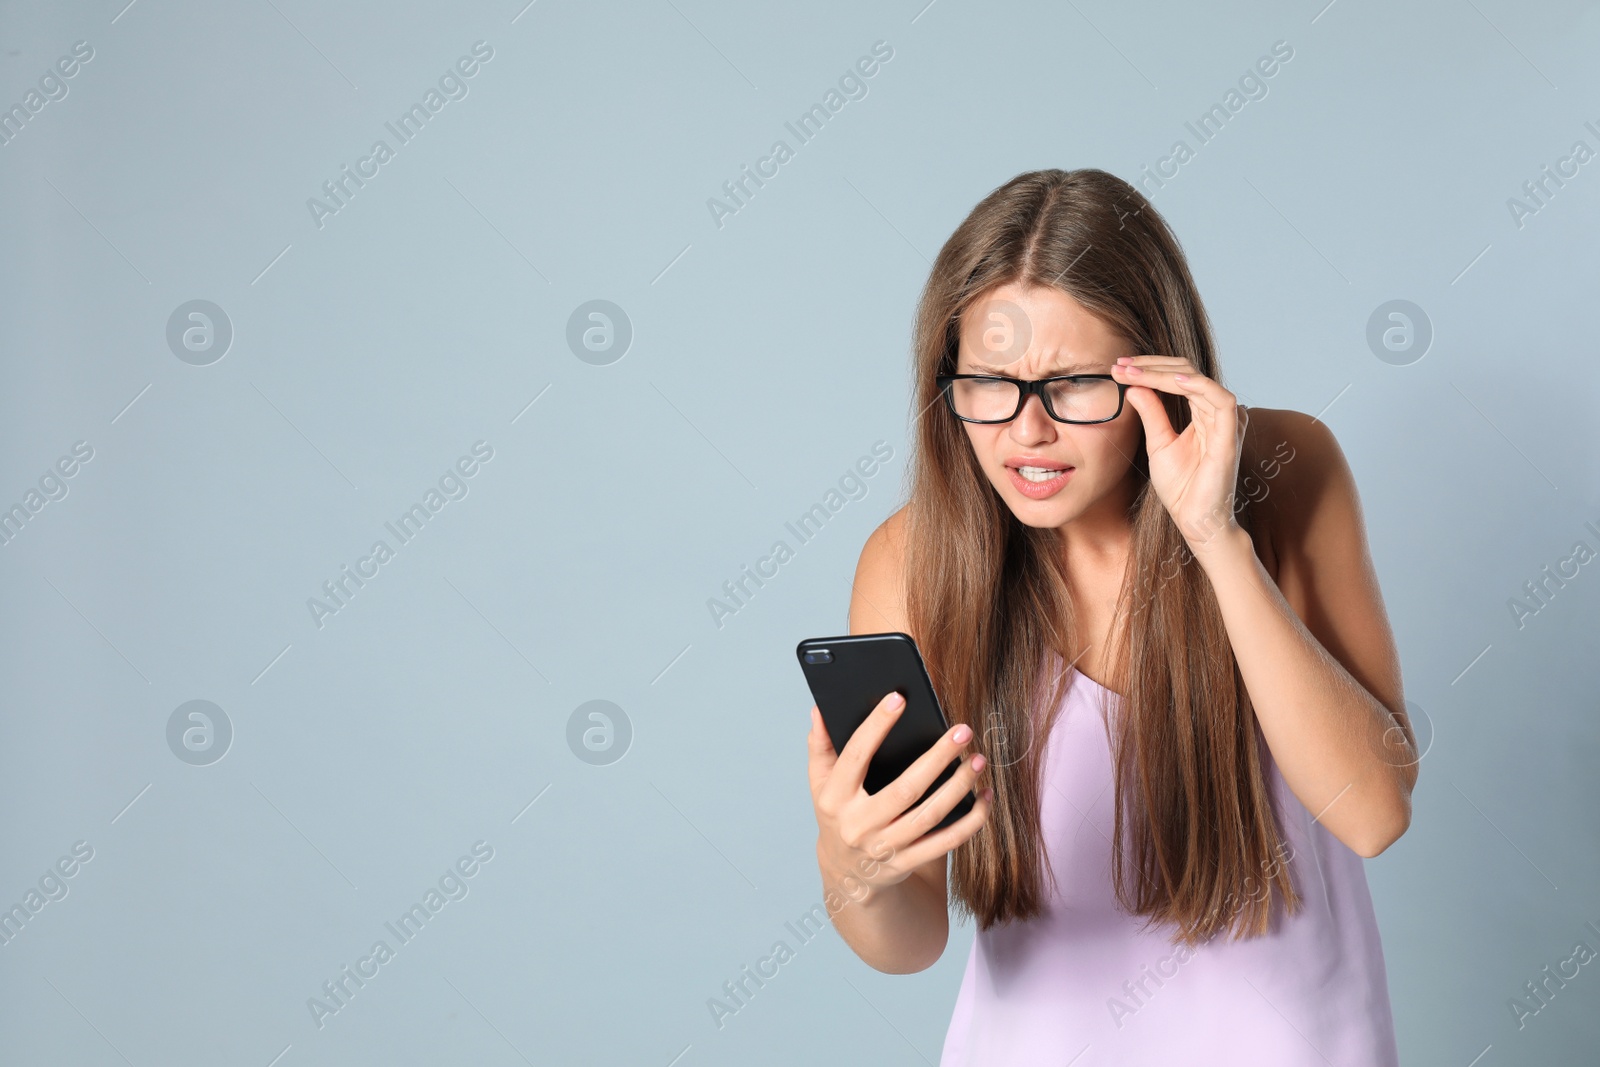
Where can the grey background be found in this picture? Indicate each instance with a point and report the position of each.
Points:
(768, 355)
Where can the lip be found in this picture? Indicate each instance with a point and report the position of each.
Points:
(1037, 461)
(1037, 490)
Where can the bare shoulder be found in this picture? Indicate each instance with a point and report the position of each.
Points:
(878, 597)
(1298, 469)
(1280, 447)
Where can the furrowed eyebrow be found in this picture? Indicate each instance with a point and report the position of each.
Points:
(1071, 368)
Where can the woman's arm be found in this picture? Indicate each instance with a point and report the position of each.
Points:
(1326, 690)
(1315, 648)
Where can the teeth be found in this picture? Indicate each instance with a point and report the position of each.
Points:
(1039, 474)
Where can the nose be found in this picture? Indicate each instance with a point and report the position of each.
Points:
(1033, 423)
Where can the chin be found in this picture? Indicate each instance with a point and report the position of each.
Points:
(1041, 514)
(1041, 524)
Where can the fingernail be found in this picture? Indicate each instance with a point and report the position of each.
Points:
(962, 735)
(978, 763)
(988, 794)
(896, 701)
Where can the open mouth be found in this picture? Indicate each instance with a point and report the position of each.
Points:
(1040, 475)
(1039, 482)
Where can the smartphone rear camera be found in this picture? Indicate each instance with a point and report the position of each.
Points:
(819, 655)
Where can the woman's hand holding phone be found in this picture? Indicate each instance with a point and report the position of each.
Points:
(872, 837)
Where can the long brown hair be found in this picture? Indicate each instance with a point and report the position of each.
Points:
(988, 596)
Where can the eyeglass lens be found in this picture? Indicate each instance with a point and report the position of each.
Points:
(1085, 400)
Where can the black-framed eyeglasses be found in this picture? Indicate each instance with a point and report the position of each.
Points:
(1073, 398)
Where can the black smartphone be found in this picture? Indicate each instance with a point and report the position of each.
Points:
(849, 675)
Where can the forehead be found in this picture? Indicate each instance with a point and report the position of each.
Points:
(1034, 363)
(1036, 331)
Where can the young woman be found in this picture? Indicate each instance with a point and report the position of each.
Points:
(1152, 616)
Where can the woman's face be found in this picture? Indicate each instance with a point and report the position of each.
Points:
(1040, 332)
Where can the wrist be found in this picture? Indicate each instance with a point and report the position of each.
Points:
(846, 890)
(857, 883)
(1225, 543)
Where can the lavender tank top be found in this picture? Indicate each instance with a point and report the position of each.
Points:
(1080, 984)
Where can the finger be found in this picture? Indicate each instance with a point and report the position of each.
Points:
(1207, 393)
(1158, 432)
(1153, 360)
(1139, 367)
(1148, 374)
(850, 769)
(1212, 402)
(938, 843)
(1203, 391)
(925, 816)
(1205, 396)
(889, 802)
(1158, 378)
(819, 749)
